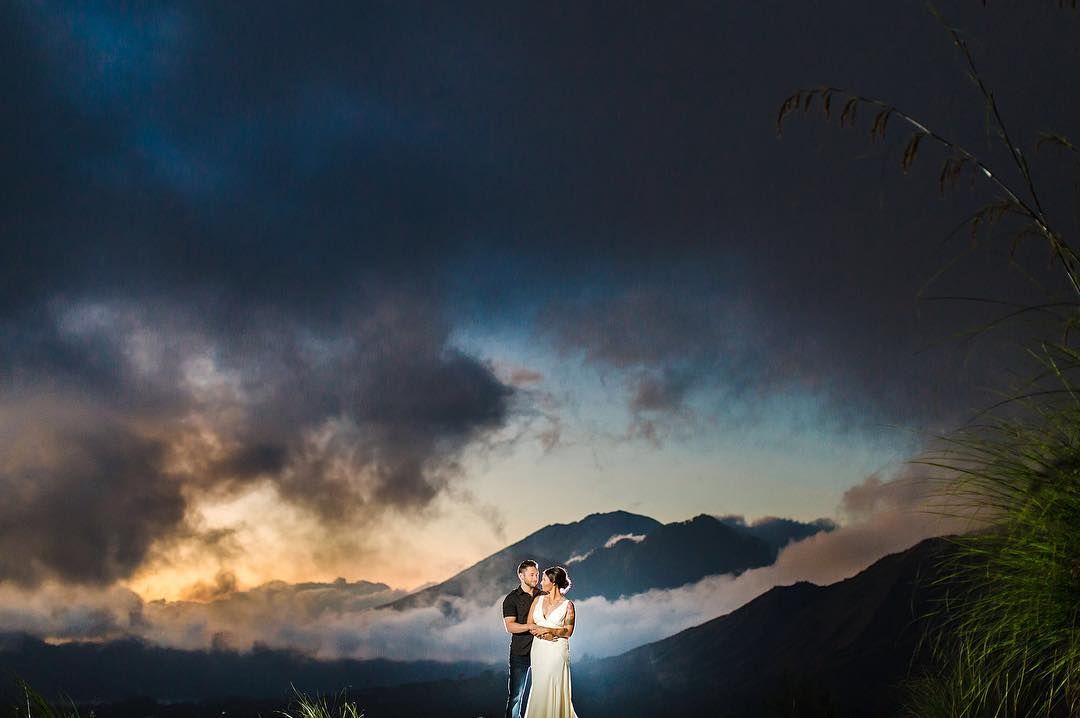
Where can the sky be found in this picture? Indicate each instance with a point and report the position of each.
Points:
(373, 290)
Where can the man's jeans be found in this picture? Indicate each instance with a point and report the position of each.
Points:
(517, 685)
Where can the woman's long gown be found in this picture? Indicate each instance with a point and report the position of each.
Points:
(549, 696)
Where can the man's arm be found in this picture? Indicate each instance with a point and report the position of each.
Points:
(510, 619)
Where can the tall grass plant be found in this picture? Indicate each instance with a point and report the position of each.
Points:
(1007, 639)
(305, 706)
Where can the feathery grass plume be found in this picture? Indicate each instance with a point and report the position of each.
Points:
(319, 707)
(950, 171)
(847, 116)
(36, 706)
(991, 214)
(788, 106)
(1056, 139)
(881, 121)
(1024, 202)
(911, 150)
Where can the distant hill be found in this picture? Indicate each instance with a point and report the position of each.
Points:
(841, 648)
(491, 578)
(118, 670)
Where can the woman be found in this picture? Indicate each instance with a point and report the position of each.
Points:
(553, 615)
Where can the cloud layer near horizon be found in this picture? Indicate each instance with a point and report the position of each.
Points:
(337, 620)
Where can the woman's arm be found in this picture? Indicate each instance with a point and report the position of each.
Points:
(568, 623)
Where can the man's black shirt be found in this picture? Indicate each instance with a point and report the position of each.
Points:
(516, 605)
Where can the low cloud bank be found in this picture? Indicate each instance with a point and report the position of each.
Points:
(338, 620)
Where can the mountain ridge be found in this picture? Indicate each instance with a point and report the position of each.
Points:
(651, 555)
(492, 576)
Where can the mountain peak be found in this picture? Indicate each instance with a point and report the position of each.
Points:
(551, 545)
(609, 516)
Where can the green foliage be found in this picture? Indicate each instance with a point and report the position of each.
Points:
(1010, 638)
(319, 707)
(34, 705)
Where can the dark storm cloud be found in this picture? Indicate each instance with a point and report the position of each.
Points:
(353, 419)
(203, 145)
(664, 348)
(162, 149)
(401, 437)
(85, 497)
(819, 235)
(254, 460)
(665, 343)
(645, 326)
(249, 223)
(375, 414)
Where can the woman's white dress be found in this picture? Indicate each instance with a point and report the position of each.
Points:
(549, 696)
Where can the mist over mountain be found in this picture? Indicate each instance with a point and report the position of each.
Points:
(620, 554)
(839, 650)
(241, 638)
(671, 555)
(621, 564)
(491, 578)
(778, 532)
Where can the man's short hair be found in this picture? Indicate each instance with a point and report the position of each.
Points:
(525, 564)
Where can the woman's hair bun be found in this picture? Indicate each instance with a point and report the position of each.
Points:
(558, 576)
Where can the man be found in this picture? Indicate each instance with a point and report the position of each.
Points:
(518, 624)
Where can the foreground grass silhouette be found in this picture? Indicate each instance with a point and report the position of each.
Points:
(1011, 639)
(318, 707)
(34, 705)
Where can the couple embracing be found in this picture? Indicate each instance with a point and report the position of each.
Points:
(540, 623)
